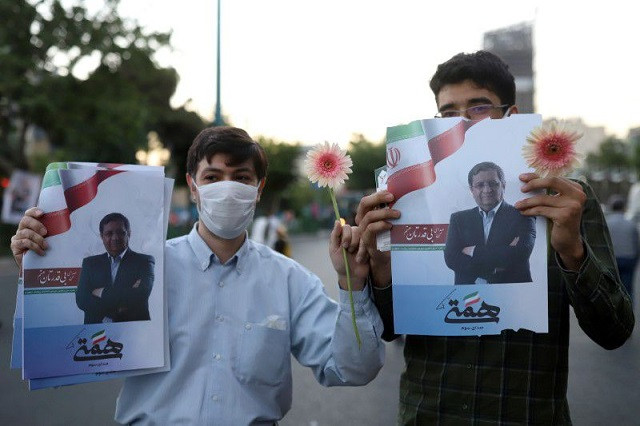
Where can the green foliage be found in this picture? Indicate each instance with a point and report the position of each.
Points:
(613, 153)
(282, 173)
(104, 115)
(366, 156)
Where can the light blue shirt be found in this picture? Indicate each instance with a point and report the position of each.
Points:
(232, 329)
(487, 221)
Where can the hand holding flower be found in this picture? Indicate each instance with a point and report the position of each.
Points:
(563, 209)
(348, 238)
(329, 166)
(551, 152)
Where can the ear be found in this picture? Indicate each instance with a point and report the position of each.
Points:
(261, 184)
(513, 109)
(192, 188)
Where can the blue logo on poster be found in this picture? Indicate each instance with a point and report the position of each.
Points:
(485, 312)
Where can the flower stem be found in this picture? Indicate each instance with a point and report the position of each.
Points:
(346, 265)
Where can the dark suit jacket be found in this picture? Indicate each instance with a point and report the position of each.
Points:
(120, 300)
(495, 261)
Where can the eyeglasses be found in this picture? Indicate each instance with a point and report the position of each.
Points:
(480, 185)
(475, 112)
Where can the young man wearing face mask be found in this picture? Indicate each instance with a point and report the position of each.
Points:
(516, 377)
(237, 309)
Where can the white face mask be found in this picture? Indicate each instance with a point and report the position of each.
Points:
(226, 208)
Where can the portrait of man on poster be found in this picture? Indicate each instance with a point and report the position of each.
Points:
(492, 242)
(115, 286)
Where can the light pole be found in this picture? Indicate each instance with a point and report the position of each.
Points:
(218, 120)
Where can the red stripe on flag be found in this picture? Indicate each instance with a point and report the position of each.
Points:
(82, 193)
(99, 340)
(56, 222)
(76, 196)
(472, 301)
(422, 175)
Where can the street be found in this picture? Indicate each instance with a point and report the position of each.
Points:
(603, 385)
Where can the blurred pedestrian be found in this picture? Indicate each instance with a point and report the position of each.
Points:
(282, 244)
(624, 236)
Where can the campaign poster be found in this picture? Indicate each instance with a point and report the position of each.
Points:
(20, 195)
(95, 302)
(464, 260)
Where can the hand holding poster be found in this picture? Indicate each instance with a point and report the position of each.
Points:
(95, 302)
(464, 260)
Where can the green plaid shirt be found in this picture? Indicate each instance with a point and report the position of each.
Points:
(516, 377)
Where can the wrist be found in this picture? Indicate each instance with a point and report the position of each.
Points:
(573, 258)
(357, 284)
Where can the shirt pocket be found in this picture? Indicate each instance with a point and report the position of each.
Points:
(262, 354)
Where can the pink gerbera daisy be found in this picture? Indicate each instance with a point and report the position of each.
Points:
(328, 165)
(551, 150)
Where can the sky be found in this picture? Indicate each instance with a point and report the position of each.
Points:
(309, 71)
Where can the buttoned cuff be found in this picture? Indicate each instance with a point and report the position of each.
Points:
(360, 298)
(588, 268)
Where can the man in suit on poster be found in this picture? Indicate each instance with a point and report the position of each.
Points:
(115, 286)
(491, 243)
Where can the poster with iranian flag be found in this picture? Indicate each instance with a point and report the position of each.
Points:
(95, 303)
(464, 260)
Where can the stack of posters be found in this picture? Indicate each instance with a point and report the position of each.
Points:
(94, 307)
(464, 260)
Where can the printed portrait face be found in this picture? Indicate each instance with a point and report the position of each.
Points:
(487, 189)
(115, 237)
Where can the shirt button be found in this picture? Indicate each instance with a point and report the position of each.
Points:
(247, 326)
(219, 318)
(217, 356)
(465, 406)
(215, 397)
(220, 284)
(469, 366)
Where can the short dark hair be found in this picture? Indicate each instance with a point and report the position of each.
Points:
(113, 217)
(232, 141)
(483, 167)
(483, 68)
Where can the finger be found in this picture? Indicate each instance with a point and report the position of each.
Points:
(345, 241)
(558, 184)
(335, 235)
(370, 202)
(539, 200)
(29, 222)
(354, 240)
(34, 212)
(33, 236)
(379, 215)
(19, 246)
(368, 239)
(526, 177)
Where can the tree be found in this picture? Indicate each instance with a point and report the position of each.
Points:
(366, 156)
(282, 171)
(613, 154)
(103, 115)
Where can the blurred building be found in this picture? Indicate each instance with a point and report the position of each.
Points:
(514, 45)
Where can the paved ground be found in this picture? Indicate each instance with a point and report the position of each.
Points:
(603, 385)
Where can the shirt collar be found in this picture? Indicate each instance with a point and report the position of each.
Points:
(494, 210)
(120, 256)
(205, 256)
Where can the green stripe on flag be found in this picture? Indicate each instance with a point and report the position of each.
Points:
(405, 131)
(97, 334)
(51, 176)
(471, 295)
